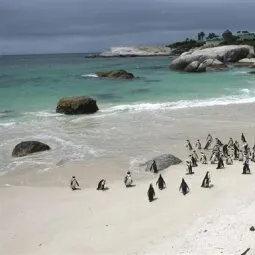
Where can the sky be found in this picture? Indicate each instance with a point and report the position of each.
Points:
(66, 26)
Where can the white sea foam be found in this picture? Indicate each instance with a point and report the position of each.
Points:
(246, 91)
(182, 104)
(90, 75)
(7, 124)
(44, 114)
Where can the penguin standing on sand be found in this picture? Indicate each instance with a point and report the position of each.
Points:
(209, 140)
(220, 163)
(198, 145)
(161, 183)
(188, 145)
(218, 142)
(203, 158)
(230, 142)
(151, 193)
(229, 161)
(184, 188)
(236, 150)
(240, 156)
(154, 167)
(243, 138)
(195, 155)
(206, 181)
(189, 167)
(225, 150)
(74, 184)
(246, 167)
(101, 185)
(128, 180)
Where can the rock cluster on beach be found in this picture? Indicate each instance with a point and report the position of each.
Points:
(162, 162)
(24, 148)
(216, 58)
(77, 105)
(116, 74)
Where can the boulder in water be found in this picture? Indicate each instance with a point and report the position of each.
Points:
(24, 148)
(77, 105)
(118, 74)
(162, 162)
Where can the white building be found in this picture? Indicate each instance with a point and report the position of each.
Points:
(245, 35)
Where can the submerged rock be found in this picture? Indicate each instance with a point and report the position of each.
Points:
(211, 57)
(162, 162)
(24, 148)
(117, 74)
(77, 105)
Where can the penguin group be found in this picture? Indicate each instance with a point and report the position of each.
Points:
(229, 152)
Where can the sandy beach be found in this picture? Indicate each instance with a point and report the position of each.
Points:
(39, 213)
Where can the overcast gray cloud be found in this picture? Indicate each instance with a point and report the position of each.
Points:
(47, 26)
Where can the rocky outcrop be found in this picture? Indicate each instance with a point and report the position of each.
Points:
(24, 148)
(246, 62)
(162, 162)
(77, 105)
(145, 51)
(117, 74)
(210, 58)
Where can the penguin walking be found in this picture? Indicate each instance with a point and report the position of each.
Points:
(184, 188)
(188, 145)
(101, 185)
(209, 140)
(206, 180)
(151, 193)
(154, 167)
(160, 182)
(229, 161)
(243, 138)
(198, 145)
(220, 163)
(203, 158)
(128, 180)
(74, 184)
(195, 155)
(246, 167)
(189, 167)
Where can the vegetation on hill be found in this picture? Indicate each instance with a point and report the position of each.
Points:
(183, 46)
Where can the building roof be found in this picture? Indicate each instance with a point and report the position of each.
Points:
(227, 32)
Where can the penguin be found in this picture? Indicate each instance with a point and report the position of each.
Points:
(236, 150)
(229, 161)
(225, 150)
(198, 145)
(154, 167)
(230, 142)
(189, 167)
(206, 181)
(209, 138)
(161, 183)
(213, 158)
(240, 156)
(243, 138)
(195, 155)
(218, 142)
(246, 167)
(184, 188)
(188, 145)
(193, 161)
(128, 180)
(151, 193)
(220, 163)
(74, 184)
(203, 158)
(101, 185)
(208, 143)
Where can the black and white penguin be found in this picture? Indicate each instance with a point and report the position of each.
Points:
(161, 183)
(230, 142)
(246, 167)
(188, 145)
(225, 150)
(189, 166)
(101, 185)
(151, 193)
(206, 180)
(154, 167)
(74, 184)
(128, 180)
(198, 145)
(203, 158)
(243, 138)
(220, 163)
(184, 188)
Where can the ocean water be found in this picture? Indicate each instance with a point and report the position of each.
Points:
(132, 114)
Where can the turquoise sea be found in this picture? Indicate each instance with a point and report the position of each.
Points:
(130, 111)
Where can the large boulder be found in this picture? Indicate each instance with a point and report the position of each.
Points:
(24, 148)
(210, 57)
(117, 74)
(162, 162)
(77, 105)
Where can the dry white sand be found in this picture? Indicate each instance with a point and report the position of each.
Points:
(39, 214)
(41, 220)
